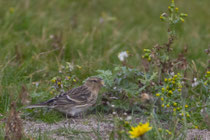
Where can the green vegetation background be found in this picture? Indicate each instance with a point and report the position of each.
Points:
(90, 33)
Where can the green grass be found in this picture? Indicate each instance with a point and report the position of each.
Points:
(27, 54)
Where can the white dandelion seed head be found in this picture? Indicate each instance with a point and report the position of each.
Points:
(123, 55)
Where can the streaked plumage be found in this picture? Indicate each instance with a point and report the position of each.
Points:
(76, 100)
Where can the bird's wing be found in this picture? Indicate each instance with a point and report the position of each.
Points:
(80, 94)
(74, 96)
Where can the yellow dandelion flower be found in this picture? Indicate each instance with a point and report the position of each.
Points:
(175, 76)
(162, 105)
(163, 89)
(162, 99)
(165, 79)
(186, 106)
(139, 130)
(167, 105)
(177, 9)
(169, 79)
(74, 80)
(173, 82)
(196, 127)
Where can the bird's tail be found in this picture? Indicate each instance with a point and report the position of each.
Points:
(37, 106)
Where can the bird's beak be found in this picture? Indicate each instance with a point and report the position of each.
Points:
(102, 83)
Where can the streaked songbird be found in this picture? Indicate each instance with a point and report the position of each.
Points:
(76, 100)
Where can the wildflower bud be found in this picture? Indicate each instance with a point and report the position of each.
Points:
(78, 66)
(167, 105)
(170, 92)
(53, 80)
(149, 59)
(182, 20)
(165, 79)
(174, 109)
(168, 132)
(142, 56)
(177, 9)
(74, 80)
(162, 18)
(183, 15)
(59, 83)
(163, 89)
(162, 99)
(175, 104)
(186, 106)
(147, 50)
(157, 94)
(205, 83)
(11, 10)
(162, 105)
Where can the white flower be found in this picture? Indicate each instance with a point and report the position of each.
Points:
(172, 73)
(114, 113)
(122, 55)
(195, 84)
(128, 118)
(70, 66)
(112, 105)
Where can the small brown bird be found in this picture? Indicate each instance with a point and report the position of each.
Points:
(76, 100)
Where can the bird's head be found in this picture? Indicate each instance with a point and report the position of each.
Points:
(94, 83)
